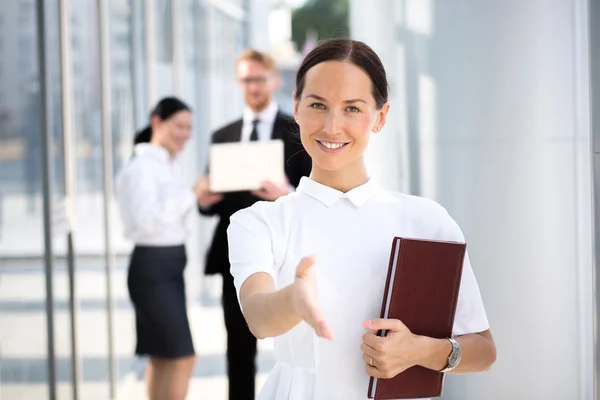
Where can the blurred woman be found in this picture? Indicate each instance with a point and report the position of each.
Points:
(154, 203)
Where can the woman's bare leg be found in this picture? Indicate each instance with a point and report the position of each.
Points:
(168, 379)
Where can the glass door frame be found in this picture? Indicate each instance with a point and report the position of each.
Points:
(594, 66)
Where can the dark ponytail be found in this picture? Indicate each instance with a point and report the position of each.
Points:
(164, 110)
(143, 136)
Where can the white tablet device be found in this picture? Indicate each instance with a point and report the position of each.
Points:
(245, 165)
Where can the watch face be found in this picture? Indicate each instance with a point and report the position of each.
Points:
(454, 358)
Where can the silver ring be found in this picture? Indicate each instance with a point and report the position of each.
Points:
(371, 362)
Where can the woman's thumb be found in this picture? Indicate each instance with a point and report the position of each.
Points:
(304, 267)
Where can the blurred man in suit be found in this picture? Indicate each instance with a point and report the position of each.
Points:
(261, 120)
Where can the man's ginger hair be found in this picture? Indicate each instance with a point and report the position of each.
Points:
(258, 56)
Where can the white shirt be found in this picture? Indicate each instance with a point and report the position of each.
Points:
(351, 236)
(265, 126)
(153, 199)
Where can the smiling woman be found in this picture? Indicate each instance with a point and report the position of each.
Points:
(170, 126)
(338, 119)
(333, 234)
(154, 203)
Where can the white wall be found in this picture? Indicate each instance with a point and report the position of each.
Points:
(494, 114)
(374, 23)
(594, 39)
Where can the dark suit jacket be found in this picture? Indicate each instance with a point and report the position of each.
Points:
(297, 165)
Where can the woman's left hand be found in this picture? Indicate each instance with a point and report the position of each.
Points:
(386, 357)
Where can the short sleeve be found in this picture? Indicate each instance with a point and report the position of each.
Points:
(470, 314)
(250, 245)
(470, 311)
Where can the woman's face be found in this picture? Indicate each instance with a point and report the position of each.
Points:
(173, 132)
(336, 114)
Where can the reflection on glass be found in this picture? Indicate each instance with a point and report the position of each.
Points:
(124, 59)
(23, 347)
(164, 31)
(60, 226)
(226, 47)
(209, 52)
(89, 233)
(163, 42)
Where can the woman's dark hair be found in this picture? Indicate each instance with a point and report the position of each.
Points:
(164, 110)
(353, 51)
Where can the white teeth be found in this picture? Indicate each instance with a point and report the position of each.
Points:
(332, 145)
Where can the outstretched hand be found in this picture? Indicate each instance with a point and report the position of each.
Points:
(304, 298)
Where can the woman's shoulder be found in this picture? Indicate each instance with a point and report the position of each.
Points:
(132, 168)
(416, 204)
(137, 171)
(423, 209)
(140, 164)
(265, 211)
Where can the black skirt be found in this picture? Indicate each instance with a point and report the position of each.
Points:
(157, 290)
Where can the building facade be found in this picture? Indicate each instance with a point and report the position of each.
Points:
(77, 79)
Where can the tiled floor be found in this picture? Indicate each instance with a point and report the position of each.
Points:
(23, 349)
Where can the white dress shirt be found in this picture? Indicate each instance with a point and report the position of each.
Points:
(153, 199)
(265, 126)
(351, 236)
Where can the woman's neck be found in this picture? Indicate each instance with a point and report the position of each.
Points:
(156, 142)
(344, 179)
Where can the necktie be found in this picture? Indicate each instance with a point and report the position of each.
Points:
(254, 134)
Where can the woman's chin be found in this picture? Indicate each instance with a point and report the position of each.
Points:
(329, 165)
(176, 149)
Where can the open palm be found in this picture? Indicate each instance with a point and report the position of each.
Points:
(305, 299)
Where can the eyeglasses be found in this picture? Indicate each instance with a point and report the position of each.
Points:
(259, 80)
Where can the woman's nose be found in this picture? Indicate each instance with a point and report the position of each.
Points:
(334, 123)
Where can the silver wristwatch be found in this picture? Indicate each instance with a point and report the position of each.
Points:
(454, 357)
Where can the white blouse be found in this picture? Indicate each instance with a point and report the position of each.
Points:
(153, 199)
(351, 236)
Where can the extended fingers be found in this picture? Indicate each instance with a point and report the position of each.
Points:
(316, 319)
(304, 267)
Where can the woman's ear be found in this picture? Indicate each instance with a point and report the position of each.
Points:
(296, 104)
(155, 122)
(381, 118)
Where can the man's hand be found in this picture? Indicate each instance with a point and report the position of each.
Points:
(271, 191)
(386, 357)
(205, 197)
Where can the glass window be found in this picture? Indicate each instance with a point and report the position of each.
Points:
(127, 64)
(88, 201)
(163, 39)
(23, 337)
(164, 31)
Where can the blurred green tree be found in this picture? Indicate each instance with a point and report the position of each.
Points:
(318, 20)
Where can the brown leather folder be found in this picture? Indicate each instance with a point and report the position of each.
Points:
(422, 291)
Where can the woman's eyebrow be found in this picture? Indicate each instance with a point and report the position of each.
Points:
(317, 97)
(354, 101)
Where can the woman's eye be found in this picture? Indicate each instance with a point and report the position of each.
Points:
(353, 109)
(318, 106)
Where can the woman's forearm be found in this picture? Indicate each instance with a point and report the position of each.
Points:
(478, 353)
(269, 313)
